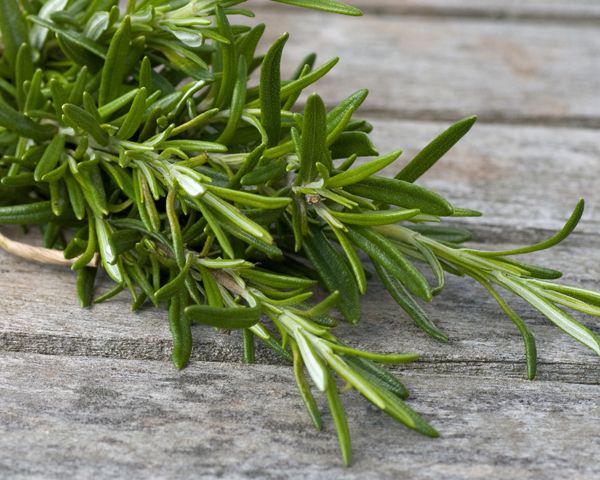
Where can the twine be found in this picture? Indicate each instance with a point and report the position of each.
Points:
(42, 255)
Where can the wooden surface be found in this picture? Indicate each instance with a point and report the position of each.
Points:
(445, 67)
(586, 11)
(103, 418)
(91, 393)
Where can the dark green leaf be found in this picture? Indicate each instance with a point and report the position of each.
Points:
(335, 273)
(114, 70)
(39, 212)
(428, 157)
(22, 125)
(14, 29)
(80, 119)
(363, 171)
(314, 140)
(402, 194)
(270, 90)
(353, 143)
(230, 318)
(403, 298)
(180, 331)
(86, 280)
(383, 253)
(325, 5)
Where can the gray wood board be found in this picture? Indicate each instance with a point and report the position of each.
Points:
(492, 170)
(523, 178)
(40, 314)
(87, 417)
(432, 68)
(84, 418)
(531, 10)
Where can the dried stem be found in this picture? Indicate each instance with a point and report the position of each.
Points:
(43, 255)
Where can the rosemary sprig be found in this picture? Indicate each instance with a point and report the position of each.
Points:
(137, 142)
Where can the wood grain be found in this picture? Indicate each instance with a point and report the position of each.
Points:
(530, 70)
(41, 315)
(428, 68)
(524, 179)
(518, 177)
(563, 11)
(97, 418)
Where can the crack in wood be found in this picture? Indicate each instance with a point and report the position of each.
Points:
(487, 117)
(485, 11)
(159, 350)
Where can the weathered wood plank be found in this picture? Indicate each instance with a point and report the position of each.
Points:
(40, 314)
(96, 418)
(490, 170)
(427, 68)
(544, 10)
(523, 178)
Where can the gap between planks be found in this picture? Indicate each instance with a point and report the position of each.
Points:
(38, 311)
(489, 117)
(537, 11)
(95, 418)
(444, 69)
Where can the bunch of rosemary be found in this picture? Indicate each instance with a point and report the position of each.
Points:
(136, 141)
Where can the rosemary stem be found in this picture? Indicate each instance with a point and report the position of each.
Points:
(42, 255)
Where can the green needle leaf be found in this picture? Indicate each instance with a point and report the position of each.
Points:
(116, 63)
(314, 139)
(14, 29)
(177, 284)
(78, 118)
(552, 241)
(315, 365)
(38, 212)
(107, 251)
(16, 122)
(551, 312)
(378, 376)
(180, 331)
(375, 357)
(134, 117)
(401, 194)
(528, 338)
(237, 103)
(364, 171)
(339, 419)
(374, 218)
(296, 86)
(339, 118)
(382, 252)
(270, 90)
(86, 280)
(428, 157)
(587, 296)
(353, 143)
(309, 400)
(353, 259)
(230, 318)
(403, 298)
(50, 158)
(250, 199)
(76, 38)
(228, 60)
(325, 5)
(335, 273)
(236, 217)
(275, 280)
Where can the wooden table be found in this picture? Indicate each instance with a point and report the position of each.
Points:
(91, 394)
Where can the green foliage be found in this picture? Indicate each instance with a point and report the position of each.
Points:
(135, 140)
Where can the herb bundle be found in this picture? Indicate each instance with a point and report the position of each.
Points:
(137, 141)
